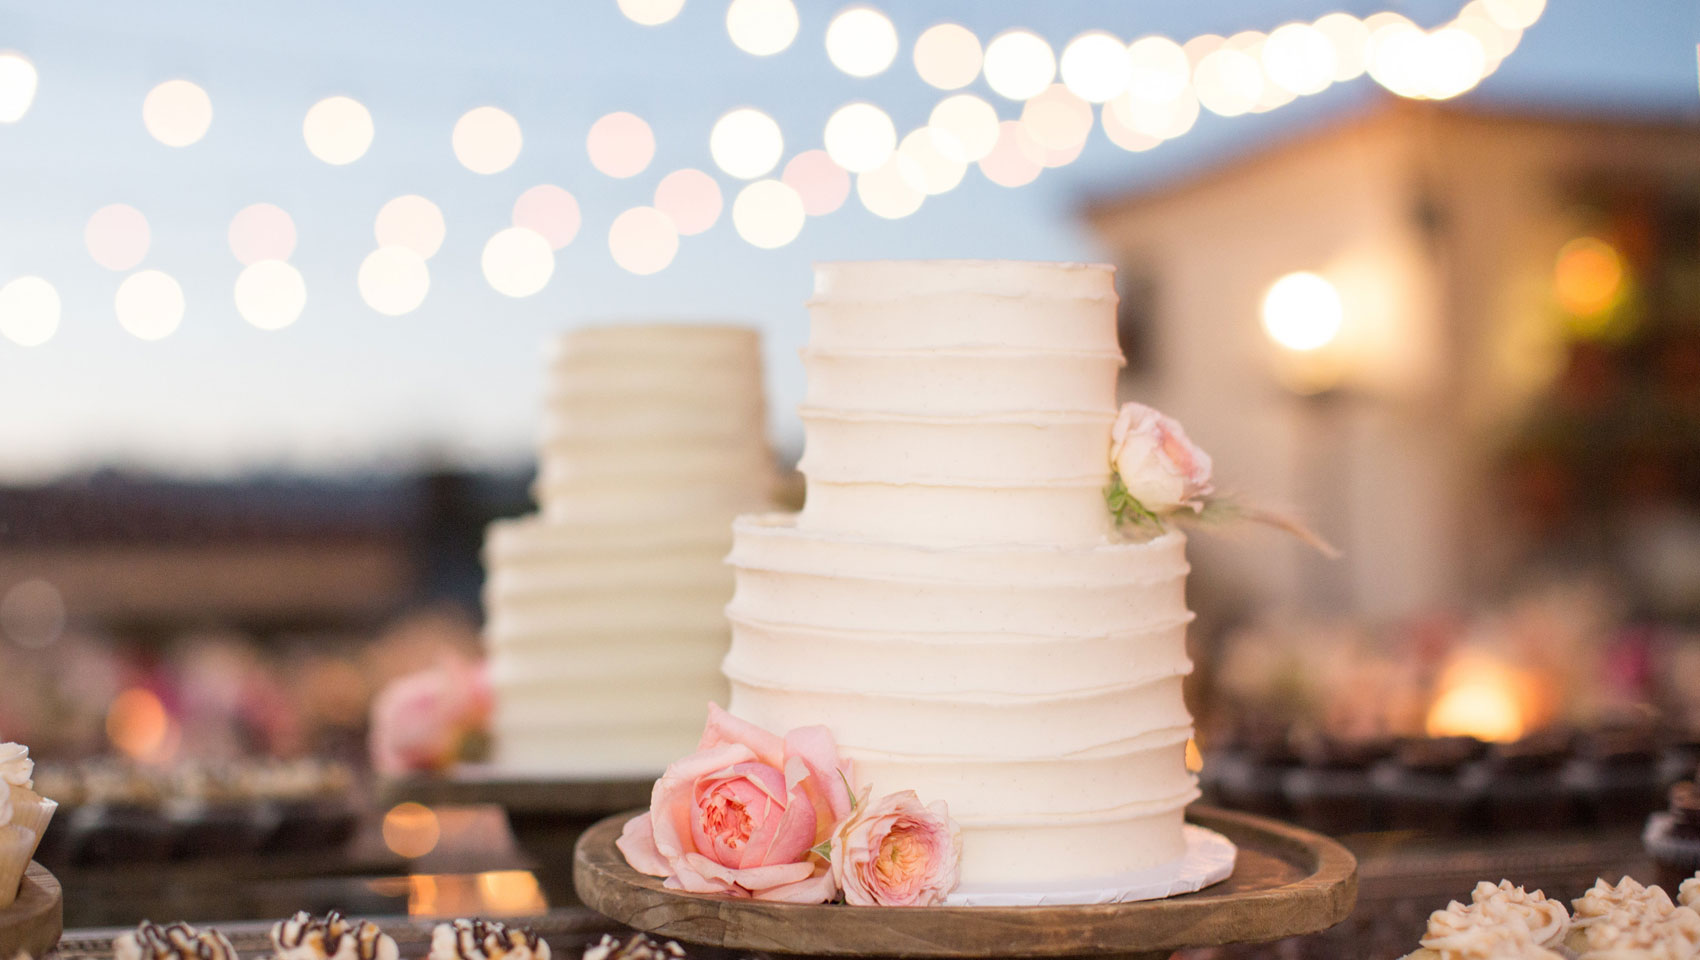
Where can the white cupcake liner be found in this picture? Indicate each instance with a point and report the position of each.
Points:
(31, 813)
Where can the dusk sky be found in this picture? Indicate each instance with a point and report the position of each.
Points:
(458, 379)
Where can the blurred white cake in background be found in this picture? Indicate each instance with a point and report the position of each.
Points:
(954, 601)
(604, 619)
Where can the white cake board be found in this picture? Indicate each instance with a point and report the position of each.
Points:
(1209, 859)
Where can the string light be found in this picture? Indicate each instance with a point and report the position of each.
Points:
(970, 122)
(1349, 38)
(394, 280)
(651, 13)
(1012, 162)
(689, 198)
(149, 304)
(768, 214)
(934, 159)
(1158, 121)
(177, 113)
(861, 41)
(1122, 135)
(1515, 14)
(117, 237)
(643, 240)
(1229, 82)
(1057, 119)
(860, 137)
(746, 143)
(1158, 69)
(518, 262)
(29, 311)
(338, 130)
(1454, 62)
(761, 27)
(18, 81)
(620, 145)
(550, 212)
(822, 184)
(1395, 56)
(1096, 67)
(1298, 58)
(487, 140)
(890, 191)
(270, 294)
(410, 221)
(1019, 64)
(261, 231)
(1302, 311)
(948, 56)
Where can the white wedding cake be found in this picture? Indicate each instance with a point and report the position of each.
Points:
(605, 625)
(954, 601)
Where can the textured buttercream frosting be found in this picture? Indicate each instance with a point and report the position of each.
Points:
(177, 941)
(953, 601)
(605, 624)
(485, 940)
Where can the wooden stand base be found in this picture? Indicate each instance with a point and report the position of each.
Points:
(33, 922)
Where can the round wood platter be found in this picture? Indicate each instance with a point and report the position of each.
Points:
(33, 922)
(470, 785)
(1286, 881)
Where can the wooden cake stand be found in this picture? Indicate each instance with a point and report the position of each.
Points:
(33, 922)
(1286, 882)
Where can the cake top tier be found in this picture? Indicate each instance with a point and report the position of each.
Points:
(658, 341)
(885, 280)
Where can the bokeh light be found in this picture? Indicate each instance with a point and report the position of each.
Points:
(861, 41)
(18, 83)
(768, 214)
(338, 130)
(137, 724)
(1229, 82)
(822, 184)
(1159, 69)
(1162, 121)
(270, 294)
(511, 893)
(1350, 40)
(643, 240)
(29, 311)
(518, 262)
(117, 236)
(1011, 162)
(1096, 67)
(746, 143)
(394, 280)
(32, 614)
(410, 221)
(1587, 276)
(1454, 62)
(1019, 64)
(651, 13)
(1120, 133)
(487, 140)
(261, 231)
(620, 145)
(691, 199)
(411, 829)
(1057, 119)
(1515, 14)
(860, 137)
(1302, 311)
(761, 27)
(149, 304)
(1299, 59)
(1200, 47)
(935, 158)
(550, 211)
(1396, 56)
(177, 113)
(948, 56)
(970, 123)
(891, 191)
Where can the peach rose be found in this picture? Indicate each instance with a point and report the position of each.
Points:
(743, 814)
(895, 852)
(1157, 463)
(422, 721)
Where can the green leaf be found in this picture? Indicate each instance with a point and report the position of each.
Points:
(823, 850)
(1127, 509)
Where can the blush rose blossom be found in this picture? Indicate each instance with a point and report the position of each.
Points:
(1160, 467)
(742, 815)
(895, 852)
(422, 721)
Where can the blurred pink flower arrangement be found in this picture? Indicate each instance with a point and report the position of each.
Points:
(425, 721)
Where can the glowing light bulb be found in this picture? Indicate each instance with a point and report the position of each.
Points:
(861, 41)
(413, 222)
(270, 294)
(1454, 63)
(970, 123)
(1057, 119)
(1096, 67)
(620, 145)
(1397, 57)
(689, 198)
(761, 27)
(338, 130)
(29, 311)
(1515, 14)
(1162, 121)
(768, 214)
(149, 304)
(822, 184)
(746, 143)
(261, 231)
(1587, 276)
(117, 237)
(1013, 161)
(18, 81)
(1299, 59)
(1302, 311)
(549, 211)
(394, 280)
(177, 113)
(1019, 64)
(518, 262)
(1122, 135)
(487, 140)
(935, 158)
(1159, 69)
(948, 56)
(860, 137)
(1350, 40)
(891, 190)
(651, 13)
(643, 240)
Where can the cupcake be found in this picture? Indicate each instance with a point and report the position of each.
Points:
(1332, 791)
(122, 819)
(638, 947)
(1422, 786)
(1478, 932)
(1615, 908)
(209, 815)
(24, 815)
(331, 937)
(485, 940)
(179, 941)
(1672, 837)
(1521, 783)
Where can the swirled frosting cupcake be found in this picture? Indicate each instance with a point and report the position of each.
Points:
(331, 937)
(1616, 906)
(24, 815)
(1638, 935)
(639, 947)
(485, 940)
(177, 941)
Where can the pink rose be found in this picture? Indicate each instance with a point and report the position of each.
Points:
(421, 722)
(1157, 463)
(897, 853)
(742, 815)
